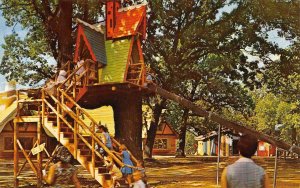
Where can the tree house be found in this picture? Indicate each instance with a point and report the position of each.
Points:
(118, 66)
(110, 71)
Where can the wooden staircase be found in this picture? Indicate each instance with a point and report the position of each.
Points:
(62, 118)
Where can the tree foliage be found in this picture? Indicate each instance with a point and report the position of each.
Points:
(192, 45)
(272, 111)
(50, 26)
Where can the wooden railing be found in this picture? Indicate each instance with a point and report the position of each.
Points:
(66, 94)
(61, 109)
(87, 77)
(66, 67)
(136, 77)
(80, 123)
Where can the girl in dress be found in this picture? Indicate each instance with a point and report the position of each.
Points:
(127, 169)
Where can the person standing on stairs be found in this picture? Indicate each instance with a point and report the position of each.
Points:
(127, 169)
(79, 71)
(105, 138)
(114, 171)
(62, 171)
(61, 76)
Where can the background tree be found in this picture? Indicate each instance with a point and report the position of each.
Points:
(271, 111)
(50, 26)
(189, 41)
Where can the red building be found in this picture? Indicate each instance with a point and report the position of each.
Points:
(165, 140)
(265, 149)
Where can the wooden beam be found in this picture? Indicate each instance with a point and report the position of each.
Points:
(16, 156)
(39, 156)
(27, 158)
(27, 119)
(218, 119)
(25, 162)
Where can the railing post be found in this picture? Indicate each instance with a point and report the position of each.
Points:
(62, 98)
(57, 117)
(75, 134)
(93, 149)
(39, 157)
(43, 107)
(16, 151)
(74, 87)
(16, 156)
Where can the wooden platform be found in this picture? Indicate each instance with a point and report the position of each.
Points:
(107, 94)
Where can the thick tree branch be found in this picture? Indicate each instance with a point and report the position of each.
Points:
(218, 119)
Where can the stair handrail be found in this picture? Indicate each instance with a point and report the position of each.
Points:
(85, 73)
(89, 128)
(70, 76)
(62, 68)
(82, 124)
(68, 124)
(94, 121)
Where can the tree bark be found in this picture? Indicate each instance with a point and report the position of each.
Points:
(216, 118)
(128, 122)
(294, 135)
(181, 147)
(65, 41)
(151, 133)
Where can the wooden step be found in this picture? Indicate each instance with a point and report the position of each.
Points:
(85, 152)
(133, 79)
(65, 129)
(87, 157)
(123, 183)
(136, 64)
(102, 170)
(68, 134)
(134, 72)
(99, 163)
(51, 117)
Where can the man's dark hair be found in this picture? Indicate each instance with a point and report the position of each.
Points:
(247, 145)
(104, 128)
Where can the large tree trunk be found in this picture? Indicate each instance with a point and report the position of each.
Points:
(65, 41)
(128, 122)
(151, 132)
(216, 118)
(182, 133)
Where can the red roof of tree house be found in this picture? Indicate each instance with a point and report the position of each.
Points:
(130, 21)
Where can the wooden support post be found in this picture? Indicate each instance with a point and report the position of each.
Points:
(39, 157)
(74, 87)
(93, 150)
(75, 135)
(57, 117)
(219, 145)
(43, 107)
(16, 156)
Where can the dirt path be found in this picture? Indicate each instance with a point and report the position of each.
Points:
(201, 171)
(170, 172)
